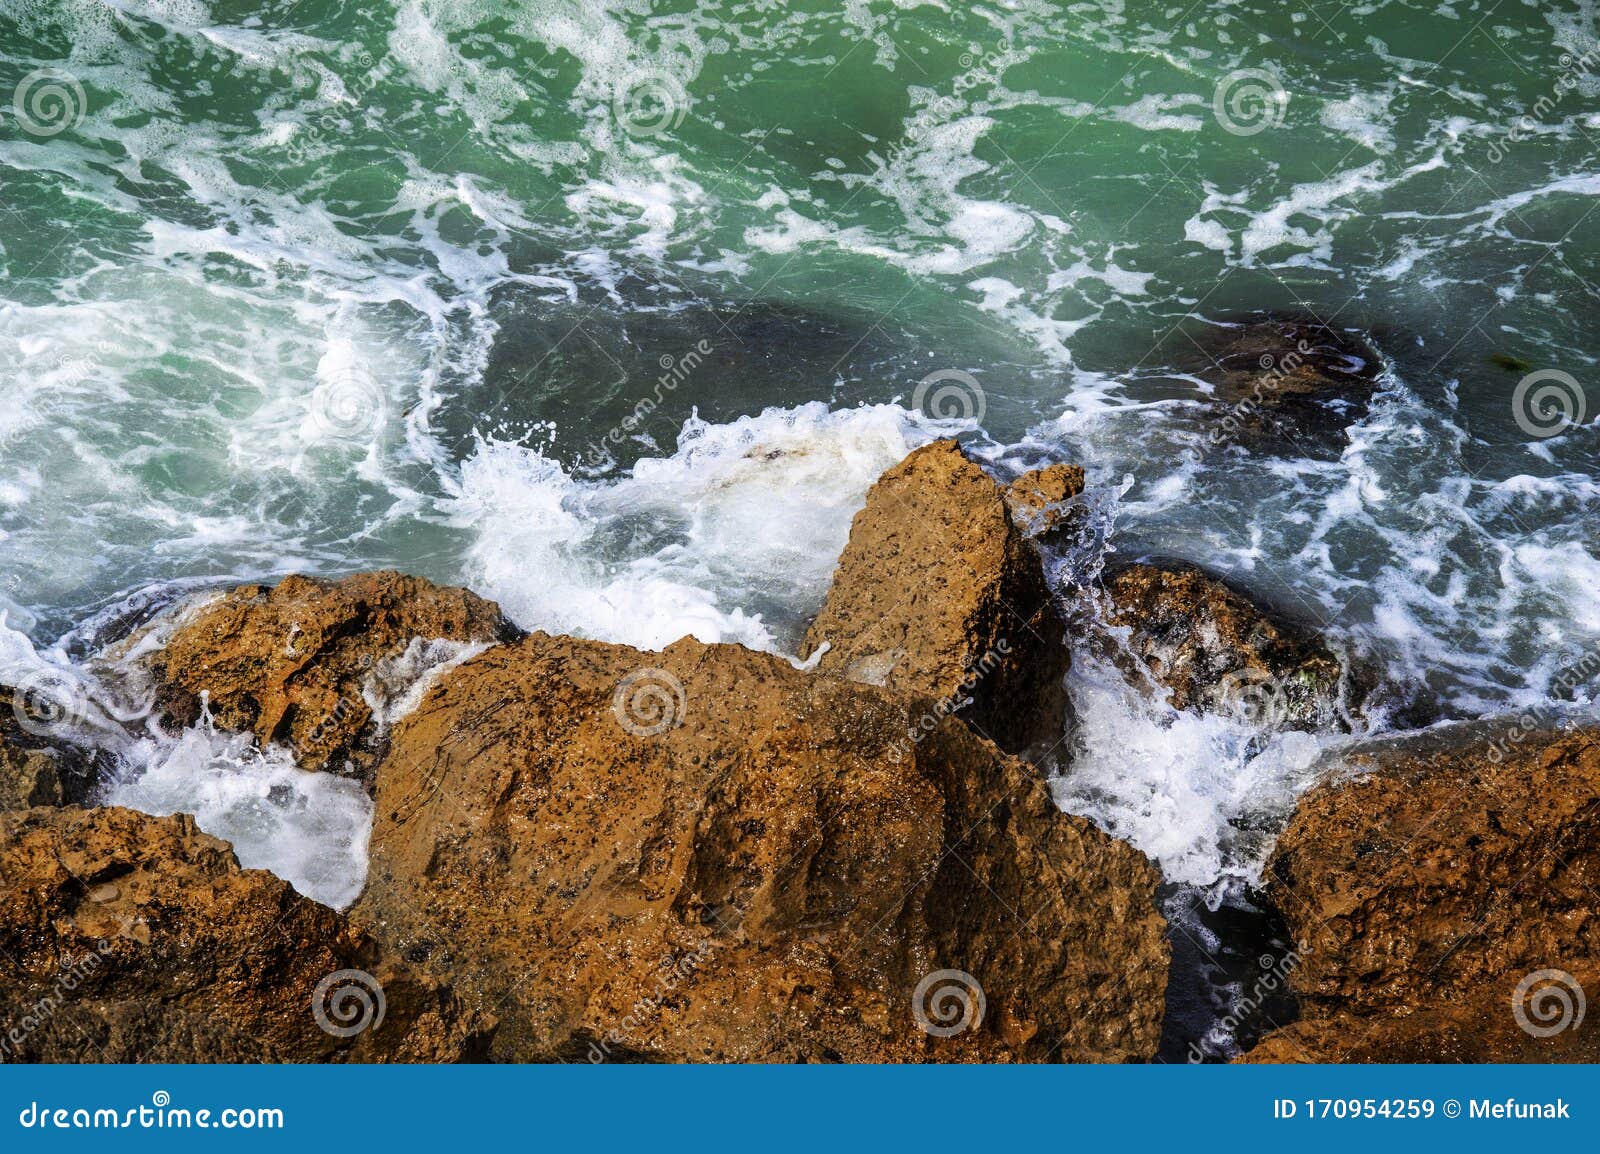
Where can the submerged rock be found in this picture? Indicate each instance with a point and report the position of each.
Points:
(300, 663)
(706, 854)
(1217, 651)
(939, 594)
(1442, 890)
(130, 938)
(1283, 382)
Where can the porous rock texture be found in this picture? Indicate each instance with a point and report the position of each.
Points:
(1428, 879)
(28, 776)
(131, 938)
(939, 594)
(1217, 651)
(707, 854)
(1037, 499)
(35, 767)
(291, 662)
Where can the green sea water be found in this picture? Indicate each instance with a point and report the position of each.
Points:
(457, 217)
(613, 310)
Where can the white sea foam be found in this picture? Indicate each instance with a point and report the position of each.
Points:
(743, 521)
(397, 685)
(311, 829)
(1198, 793)
(189, 397)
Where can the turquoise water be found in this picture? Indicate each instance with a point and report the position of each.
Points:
(614, 310)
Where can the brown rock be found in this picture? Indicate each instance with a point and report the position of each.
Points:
(125, 937)
(1431, 886)
(1479, 1032)
(706, 854)
(1035, 499)
(1217, 651)
(290, 663)
(1288, 380)
(36, 769)
(29, 777)
(938, 594)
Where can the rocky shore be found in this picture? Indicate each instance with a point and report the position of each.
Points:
(587, 852)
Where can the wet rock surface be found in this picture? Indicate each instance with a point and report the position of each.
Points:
(1444, 888)
(295, 663)
(706, 854)
(1281, 383)
(1036, 499)
(130, 938)
(939, 594)
(35, 767)
(1217, 651)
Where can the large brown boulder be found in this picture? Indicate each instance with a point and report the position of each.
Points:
(939, 594)
(706, 854)
(1219, 652)
(295, 663)
(130, 938)
(1445, 890)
